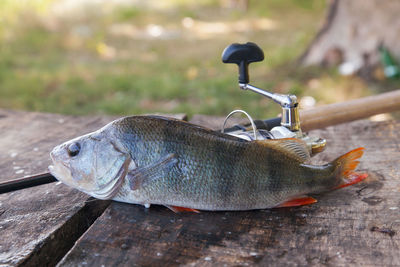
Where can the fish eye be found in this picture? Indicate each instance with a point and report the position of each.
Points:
(73, 149)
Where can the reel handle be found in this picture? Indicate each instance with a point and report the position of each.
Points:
(242, 55)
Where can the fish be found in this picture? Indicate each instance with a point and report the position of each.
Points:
(186, 167)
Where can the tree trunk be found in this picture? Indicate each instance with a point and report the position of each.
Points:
(353, 32)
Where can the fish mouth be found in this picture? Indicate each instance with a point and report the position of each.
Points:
(59, 168)
(110, 189)
(61, 173)
(107, 191)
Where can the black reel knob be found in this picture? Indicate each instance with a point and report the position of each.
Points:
(243, 55)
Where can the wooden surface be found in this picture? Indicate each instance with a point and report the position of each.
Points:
(358, 225)
(36, 223)
(40, 224)
(28, 137)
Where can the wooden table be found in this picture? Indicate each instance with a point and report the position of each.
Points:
(54, 224)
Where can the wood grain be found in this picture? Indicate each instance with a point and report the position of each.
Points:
(339, 230)
(28, 137)
(38, 225)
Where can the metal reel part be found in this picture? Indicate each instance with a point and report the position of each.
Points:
(243, 55)
(314, 144)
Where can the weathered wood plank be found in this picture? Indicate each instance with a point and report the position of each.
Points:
(358, 225)
(27, 138)
(48, 218)
(38, 225)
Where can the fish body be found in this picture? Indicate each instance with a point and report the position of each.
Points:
(155, 160)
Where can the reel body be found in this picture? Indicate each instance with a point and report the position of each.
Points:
(243, 55)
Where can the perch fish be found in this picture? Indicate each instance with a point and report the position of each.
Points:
(156, 160)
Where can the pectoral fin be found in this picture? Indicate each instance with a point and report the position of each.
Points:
(143, 176)
(297, 202)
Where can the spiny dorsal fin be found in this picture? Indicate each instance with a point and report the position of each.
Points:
(291, 146)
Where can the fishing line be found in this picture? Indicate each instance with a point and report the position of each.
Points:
(248, 116)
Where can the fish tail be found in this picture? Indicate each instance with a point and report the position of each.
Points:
(346, 165)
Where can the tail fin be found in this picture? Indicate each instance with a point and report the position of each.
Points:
(347, 164)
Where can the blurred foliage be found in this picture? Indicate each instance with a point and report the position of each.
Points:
(144, 57)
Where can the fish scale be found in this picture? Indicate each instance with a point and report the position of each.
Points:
(175, 163)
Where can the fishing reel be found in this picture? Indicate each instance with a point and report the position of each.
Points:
(287, 126)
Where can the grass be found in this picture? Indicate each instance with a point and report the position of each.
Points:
(146, 58)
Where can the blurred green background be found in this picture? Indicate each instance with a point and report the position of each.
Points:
(133, 57)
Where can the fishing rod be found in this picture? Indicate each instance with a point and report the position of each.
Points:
(337, 113)
(26, 182)
(293, 123)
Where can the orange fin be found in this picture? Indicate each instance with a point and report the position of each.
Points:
(297, 202)
(353, 178)
(349, 161)
(347, 164)
(177, 209)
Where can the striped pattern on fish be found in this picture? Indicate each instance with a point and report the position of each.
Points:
(155, 160)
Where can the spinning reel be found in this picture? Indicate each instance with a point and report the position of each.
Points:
(288, 126)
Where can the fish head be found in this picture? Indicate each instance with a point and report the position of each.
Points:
(94, 163)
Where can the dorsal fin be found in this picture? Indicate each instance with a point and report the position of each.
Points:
(290, 146)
